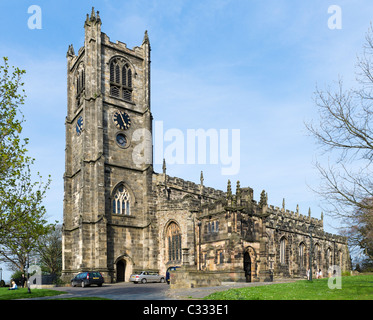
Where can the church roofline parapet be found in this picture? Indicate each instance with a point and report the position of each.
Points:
(136, 51)
(276, 211)
(187, 186)
(327, 236)
(335, 237)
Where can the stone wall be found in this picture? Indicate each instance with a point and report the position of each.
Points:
(190, 278)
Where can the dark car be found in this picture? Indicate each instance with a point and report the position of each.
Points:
(87, 278)
(168, 273)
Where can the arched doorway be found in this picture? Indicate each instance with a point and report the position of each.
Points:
(121, 270)
(247, 266)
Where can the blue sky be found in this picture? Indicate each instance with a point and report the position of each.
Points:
(221, 64)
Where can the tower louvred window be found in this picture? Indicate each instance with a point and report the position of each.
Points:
(112, 67)
(79, 83)
(114, 91)
(117, 74)
(129, 75)
(126, 94)
(124, 76)
(120, 79)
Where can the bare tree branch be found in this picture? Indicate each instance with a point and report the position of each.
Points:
(344, 131)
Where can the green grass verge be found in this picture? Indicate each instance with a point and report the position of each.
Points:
(22, 293)
(353, 288)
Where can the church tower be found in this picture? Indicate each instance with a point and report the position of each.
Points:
(108, 220)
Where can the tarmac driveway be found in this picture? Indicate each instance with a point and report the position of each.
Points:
(148, 291)
(119, 291)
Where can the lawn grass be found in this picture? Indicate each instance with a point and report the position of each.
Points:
(22, 293)
(353, 288)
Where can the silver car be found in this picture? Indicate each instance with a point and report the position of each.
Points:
(146, 276)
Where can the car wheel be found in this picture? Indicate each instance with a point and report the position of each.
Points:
(162, 280)
(143, 280)
(83, 284)
(72, 284)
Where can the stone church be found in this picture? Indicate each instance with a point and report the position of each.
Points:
(121, 217)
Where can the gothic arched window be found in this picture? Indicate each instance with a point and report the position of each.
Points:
(120, 79)
(122, 202)
(173, 242)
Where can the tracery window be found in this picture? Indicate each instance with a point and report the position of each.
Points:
(173, 242)
(120, 79)
(213, 226)
(122, 202)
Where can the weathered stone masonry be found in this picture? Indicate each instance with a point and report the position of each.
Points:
(121, 217)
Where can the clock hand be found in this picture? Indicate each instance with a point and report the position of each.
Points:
(124, 123)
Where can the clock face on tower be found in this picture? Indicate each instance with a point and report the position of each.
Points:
(122, 120)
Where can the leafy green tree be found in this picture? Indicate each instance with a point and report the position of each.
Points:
(22, 215)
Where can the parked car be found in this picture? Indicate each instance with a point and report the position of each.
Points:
(168, 273)
(146, 276)
(87, 278)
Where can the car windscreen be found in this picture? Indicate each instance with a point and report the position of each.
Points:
(95, 274)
